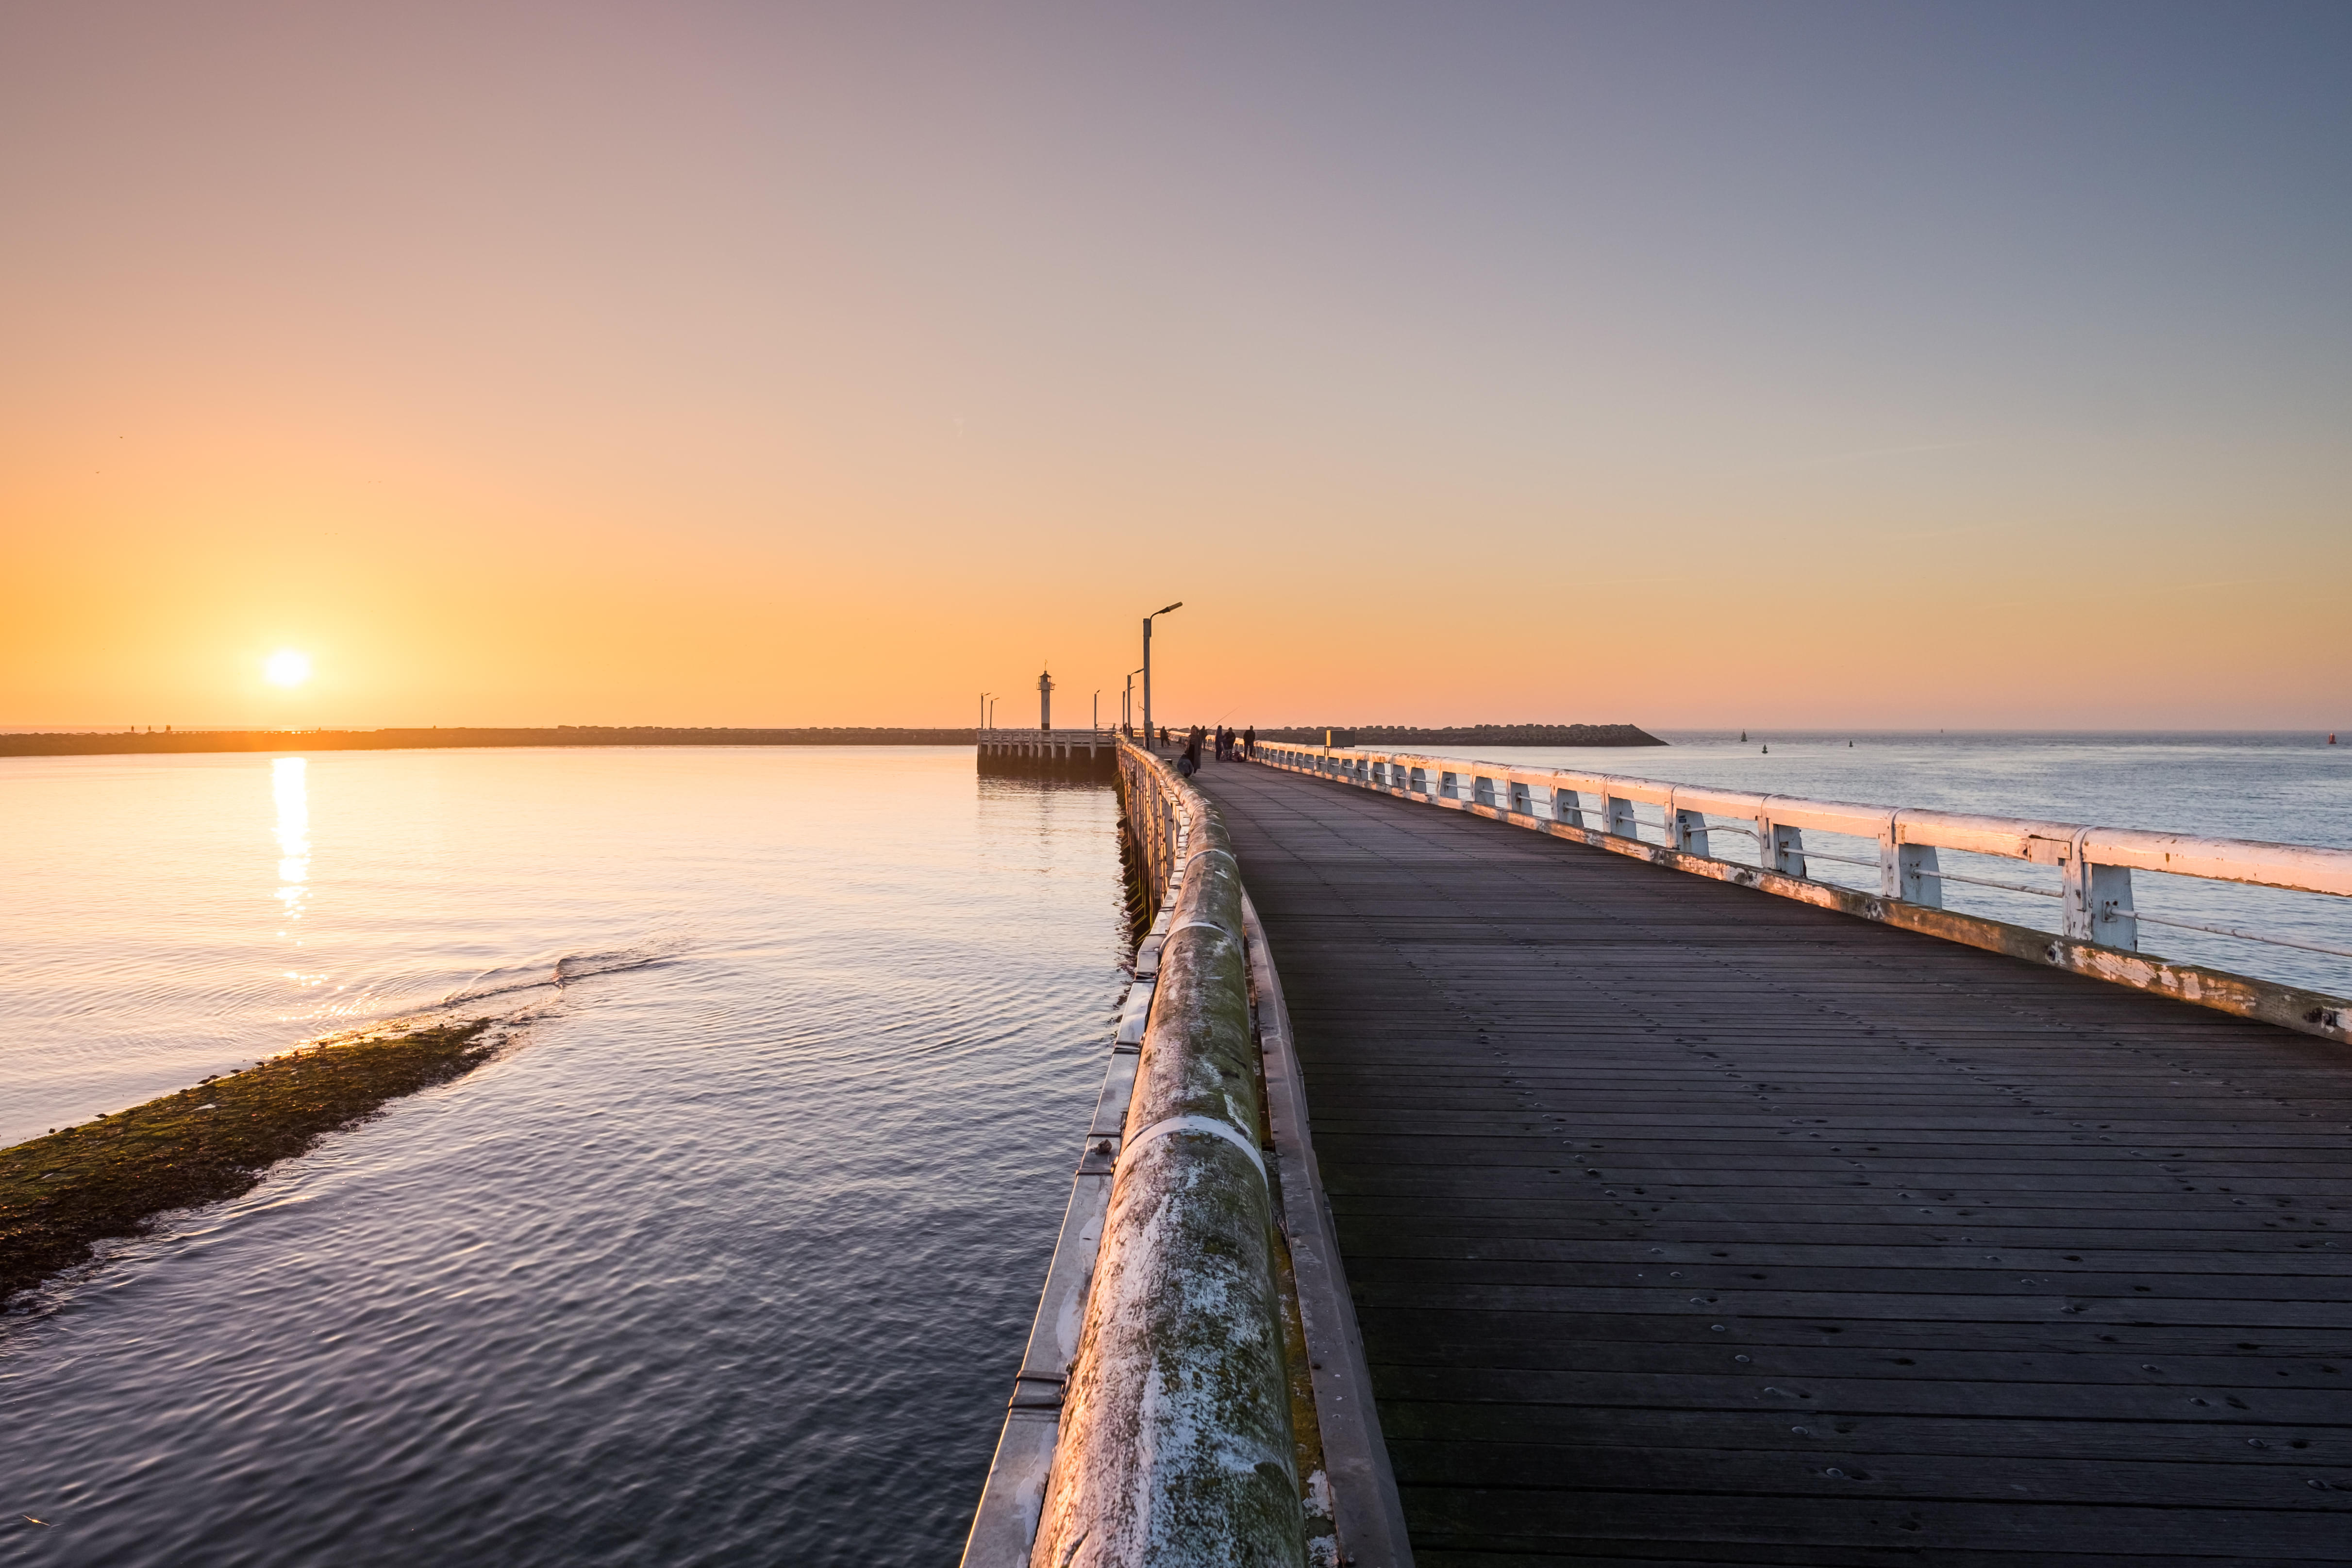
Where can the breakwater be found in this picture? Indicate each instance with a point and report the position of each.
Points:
(1466, 735)
(61, 1194)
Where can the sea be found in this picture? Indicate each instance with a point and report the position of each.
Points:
(728, 1258)
(728, 1255)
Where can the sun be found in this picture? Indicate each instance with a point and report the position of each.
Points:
(287, 667)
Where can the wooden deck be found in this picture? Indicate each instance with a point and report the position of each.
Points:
(1688, 1224)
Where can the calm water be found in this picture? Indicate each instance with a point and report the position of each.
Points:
(2288, 788)
(728, 1260)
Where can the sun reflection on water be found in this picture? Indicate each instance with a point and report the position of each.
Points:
(289, 782)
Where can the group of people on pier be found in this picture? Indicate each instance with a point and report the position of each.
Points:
(1226, 744)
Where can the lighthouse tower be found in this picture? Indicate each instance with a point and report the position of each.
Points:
(1046, 700)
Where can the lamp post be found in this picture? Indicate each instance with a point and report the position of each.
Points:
(983, 709)
(1127, 702)
(1097, 724)
(1146, 671)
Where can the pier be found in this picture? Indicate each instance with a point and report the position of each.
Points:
(1692, 1209)
(1062, 753)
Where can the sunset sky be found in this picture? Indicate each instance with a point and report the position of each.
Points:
(1877, 365)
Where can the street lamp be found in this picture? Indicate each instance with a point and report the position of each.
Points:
(1146, 671)
(983, 709)
(1097, 708)
(1127, 703)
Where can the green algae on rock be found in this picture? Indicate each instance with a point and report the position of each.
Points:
(61, 1194)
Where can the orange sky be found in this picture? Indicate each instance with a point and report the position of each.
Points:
(709, 365)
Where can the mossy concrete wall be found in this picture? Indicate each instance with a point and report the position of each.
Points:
(1176, 1445)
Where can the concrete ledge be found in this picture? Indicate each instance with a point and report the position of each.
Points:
(1150, 1420)
(1176, 1445)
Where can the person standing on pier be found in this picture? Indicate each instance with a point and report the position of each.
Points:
(1249, 743)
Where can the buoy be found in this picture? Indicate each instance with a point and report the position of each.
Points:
(1743, 737)
(1768, 750)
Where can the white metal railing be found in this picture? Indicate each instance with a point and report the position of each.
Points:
(1103, 735)
(2094, 864)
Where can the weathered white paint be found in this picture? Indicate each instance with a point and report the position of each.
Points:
(2098, 899)
(1620, 812)
(1207, 1126)
(1780, 846)
(1908, 871)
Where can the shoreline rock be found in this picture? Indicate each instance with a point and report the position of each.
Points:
(61, 1194)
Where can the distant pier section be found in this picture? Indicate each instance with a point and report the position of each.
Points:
(1058, 753)
(1088, 753)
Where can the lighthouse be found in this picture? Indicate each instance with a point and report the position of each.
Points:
(1046, 700)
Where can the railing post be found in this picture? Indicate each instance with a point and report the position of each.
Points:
(1907, 871)
(1444, 785)
(2099, 902)
(1779, 848)
(1567, 806)
(1622, 823)
(1686, 830)
(1482, 790)
(1522, 803)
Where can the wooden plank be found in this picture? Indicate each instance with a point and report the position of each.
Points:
(1502, 1388)
(2117, 1441)
(1652, 1554)
(1506, 1519)
(1833, 1467)
(1463, 1337)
